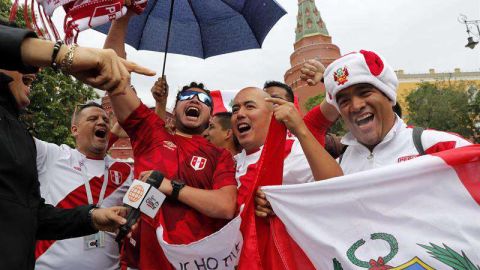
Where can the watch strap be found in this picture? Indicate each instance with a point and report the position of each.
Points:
(176, 187)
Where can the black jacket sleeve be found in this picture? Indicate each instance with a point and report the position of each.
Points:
(10, 48)
(57, 223)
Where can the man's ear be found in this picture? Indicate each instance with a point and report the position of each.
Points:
(74, 130)
(229, 134)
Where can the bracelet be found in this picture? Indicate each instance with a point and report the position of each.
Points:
(67, 61)
(56, 49)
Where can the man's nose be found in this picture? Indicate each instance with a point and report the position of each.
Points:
(358, 103)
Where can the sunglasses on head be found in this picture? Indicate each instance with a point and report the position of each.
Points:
(189, 94)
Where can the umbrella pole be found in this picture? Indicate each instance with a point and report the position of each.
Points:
(168, 36)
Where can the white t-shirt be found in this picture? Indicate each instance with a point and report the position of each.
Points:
(62, 172)
(396, 147)
(296, 169)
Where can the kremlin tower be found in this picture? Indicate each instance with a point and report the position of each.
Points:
(312, 41)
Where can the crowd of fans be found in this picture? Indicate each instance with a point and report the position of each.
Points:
(50, 192)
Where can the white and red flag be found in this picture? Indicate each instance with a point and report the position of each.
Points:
(421, 214)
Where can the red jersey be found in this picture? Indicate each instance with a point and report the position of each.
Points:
(194, 161)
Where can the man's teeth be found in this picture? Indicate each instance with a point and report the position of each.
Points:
(192, 111)
(364, 119)
(243, 127)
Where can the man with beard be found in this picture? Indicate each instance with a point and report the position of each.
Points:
(84, 175)
(199, 177)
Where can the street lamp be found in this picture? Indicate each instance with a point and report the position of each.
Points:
(471, 42)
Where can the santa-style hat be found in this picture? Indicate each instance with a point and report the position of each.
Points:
(360, 67)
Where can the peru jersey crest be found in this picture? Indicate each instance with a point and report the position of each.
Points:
(341, 76)
(198, 163)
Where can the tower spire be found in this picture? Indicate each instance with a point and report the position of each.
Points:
(312, 42)
(309, 20)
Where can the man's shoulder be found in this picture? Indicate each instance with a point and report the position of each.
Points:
(436, 141)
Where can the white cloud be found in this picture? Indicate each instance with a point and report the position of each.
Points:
(412, 35)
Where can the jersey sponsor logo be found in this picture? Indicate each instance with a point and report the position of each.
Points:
(198, 163)
(169, 145)
(406, 158)
(116, 177)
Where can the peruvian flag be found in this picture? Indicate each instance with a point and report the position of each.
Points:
(222, 100)
(421, 214)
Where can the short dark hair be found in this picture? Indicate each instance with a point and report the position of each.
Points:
(194, 85)
(224, 119)
(285, 87)
(80, 107)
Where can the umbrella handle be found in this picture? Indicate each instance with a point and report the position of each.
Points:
(168, 35)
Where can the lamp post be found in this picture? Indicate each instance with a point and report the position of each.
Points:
(469, 24)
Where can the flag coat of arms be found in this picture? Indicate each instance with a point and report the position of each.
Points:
(421, 214)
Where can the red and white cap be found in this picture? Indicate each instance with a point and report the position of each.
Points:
(360, 67)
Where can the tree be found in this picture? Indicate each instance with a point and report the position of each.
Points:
(339, 127)
(53, 97)
(447, 106)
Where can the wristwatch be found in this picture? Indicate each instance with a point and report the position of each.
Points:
(176, 186)
(90, 217)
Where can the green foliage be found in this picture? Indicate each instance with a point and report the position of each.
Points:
(450, 257)
(5, 6)
(53, 97)
(447, 107)
(339, 127)
(53, 100)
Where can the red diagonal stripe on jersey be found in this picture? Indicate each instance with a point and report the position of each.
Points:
(79, 197)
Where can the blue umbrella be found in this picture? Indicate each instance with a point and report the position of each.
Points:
(202, 28)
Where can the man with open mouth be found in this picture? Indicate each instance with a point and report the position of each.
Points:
(84, 175)
(252, 111)
(199, 177)
(362, 88)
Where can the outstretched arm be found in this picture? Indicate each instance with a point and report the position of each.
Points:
(124, 101)
(215, 203)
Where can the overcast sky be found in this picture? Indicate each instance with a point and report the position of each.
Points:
(413, 35)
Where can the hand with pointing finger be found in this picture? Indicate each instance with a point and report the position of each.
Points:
(286, 113)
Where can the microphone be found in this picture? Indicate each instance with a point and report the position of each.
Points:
(154, 180)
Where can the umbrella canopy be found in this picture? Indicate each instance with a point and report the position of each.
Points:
(203, 28)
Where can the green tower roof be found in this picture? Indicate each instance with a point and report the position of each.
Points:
(309, 21)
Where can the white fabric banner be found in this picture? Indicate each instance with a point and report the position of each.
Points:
(220, 250)
(414, 215)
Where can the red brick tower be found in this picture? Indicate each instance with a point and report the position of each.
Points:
(312, 41)
(122, 149)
